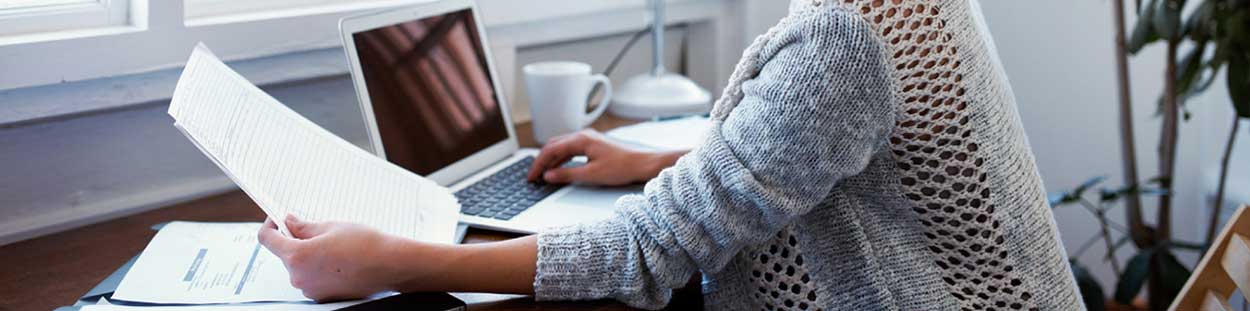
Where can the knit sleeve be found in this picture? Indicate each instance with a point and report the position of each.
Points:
(817, 111)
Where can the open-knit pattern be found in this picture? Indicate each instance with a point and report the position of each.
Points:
(782, 281)
(865, 155)
(939, 159)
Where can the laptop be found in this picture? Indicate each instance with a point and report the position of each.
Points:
(433, 104)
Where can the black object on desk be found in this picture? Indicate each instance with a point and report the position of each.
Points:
(412, 301)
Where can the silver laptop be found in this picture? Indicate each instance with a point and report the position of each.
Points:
(433, 104)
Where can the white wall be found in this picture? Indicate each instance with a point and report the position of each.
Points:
(1059, 57)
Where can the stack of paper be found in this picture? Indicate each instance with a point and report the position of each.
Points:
(289, 165)
(197, 263)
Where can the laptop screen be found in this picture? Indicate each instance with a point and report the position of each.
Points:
(431, 91)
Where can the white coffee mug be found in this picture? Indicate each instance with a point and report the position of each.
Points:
(558, 93)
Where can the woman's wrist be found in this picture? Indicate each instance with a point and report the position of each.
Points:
(416, 266)
(658, 161)
(498, 267)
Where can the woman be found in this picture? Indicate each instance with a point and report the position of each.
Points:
(866, 155)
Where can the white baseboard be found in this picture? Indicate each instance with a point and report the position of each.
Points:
(22, 228)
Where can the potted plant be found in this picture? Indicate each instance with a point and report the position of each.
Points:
(1219, 35)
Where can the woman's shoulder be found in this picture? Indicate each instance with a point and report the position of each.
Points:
(825, 26)
(821, 22)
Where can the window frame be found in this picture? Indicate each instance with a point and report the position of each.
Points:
(28, 21)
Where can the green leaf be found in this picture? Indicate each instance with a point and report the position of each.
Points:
(1057, 199)
(1222, 47)
(1235, 26)
(1238, 78)
(1154, 192)
(1167, 17)
(1143, 32)
(1207, 75)
(1196, 25)
(1068, 197)
(1133, 276)
(1105, 195)
(1189, 68)
(1157, 180)
(1091, 291)
(1172, 273)
(1089, 183)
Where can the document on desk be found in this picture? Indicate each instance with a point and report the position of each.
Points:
(289, 165)
(675, 134)
(198, 262)
(278, 306)
(246, 307)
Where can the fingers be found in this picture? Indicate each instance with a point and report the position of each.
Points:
(566, 175)
(557, 151)
(304, 230)
(273, 240)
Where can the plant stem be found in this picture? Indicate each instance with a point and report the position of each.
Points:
(1167, 144)
(1128, 145)
(1219, 192)
(1167, 165)
(1106, 236)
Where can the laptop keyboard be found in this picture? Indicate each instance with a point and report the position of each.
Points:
(504, 194)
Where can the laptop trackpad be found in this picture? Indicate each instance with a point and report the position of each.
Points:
(592, 196)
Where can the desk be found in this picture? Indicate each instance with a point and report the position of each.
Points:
(54, 270)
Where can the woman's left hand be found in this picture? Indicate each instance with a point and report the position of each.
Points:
(335, 260)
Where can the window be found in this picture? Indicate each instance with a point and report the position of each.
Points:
(201, 12)
(23, 17)
(58, 41)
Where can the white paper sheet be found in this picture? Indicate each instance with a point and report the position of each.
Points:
(289, 165)
(243, 307)
(677, 134)
(196, 262)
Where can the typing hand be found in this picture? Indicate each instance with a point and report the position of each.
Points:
(334, 260)
(611, 164)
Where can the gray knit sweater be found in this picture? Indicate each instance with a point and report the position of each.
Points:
(867, 155)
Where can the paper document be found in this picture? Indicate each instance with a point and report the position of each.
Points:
(289, 165)
(245, 307)
(196, 262)
(677, 134)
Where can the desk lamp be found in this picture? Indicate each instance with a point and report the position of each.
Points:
(659, 93)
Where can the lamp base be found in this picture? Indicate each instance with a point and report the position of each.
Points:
(649, 96)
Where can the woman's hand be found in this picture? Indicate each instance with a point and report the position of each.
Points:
(611, 164)
(335, 260)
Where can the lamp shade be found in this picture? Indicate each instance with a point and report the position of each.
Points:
(659, 93)
(650, 96)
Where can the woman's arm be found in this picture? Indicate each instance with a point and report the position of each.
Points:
(495, 267)
(319, 253)
(335, 260)
(817, 108)
(611, 164)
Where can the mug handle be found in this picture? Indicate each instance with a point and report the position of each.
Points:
(603, 104)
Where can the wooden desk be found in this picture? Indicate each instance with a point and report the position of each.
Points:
(54, 270)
